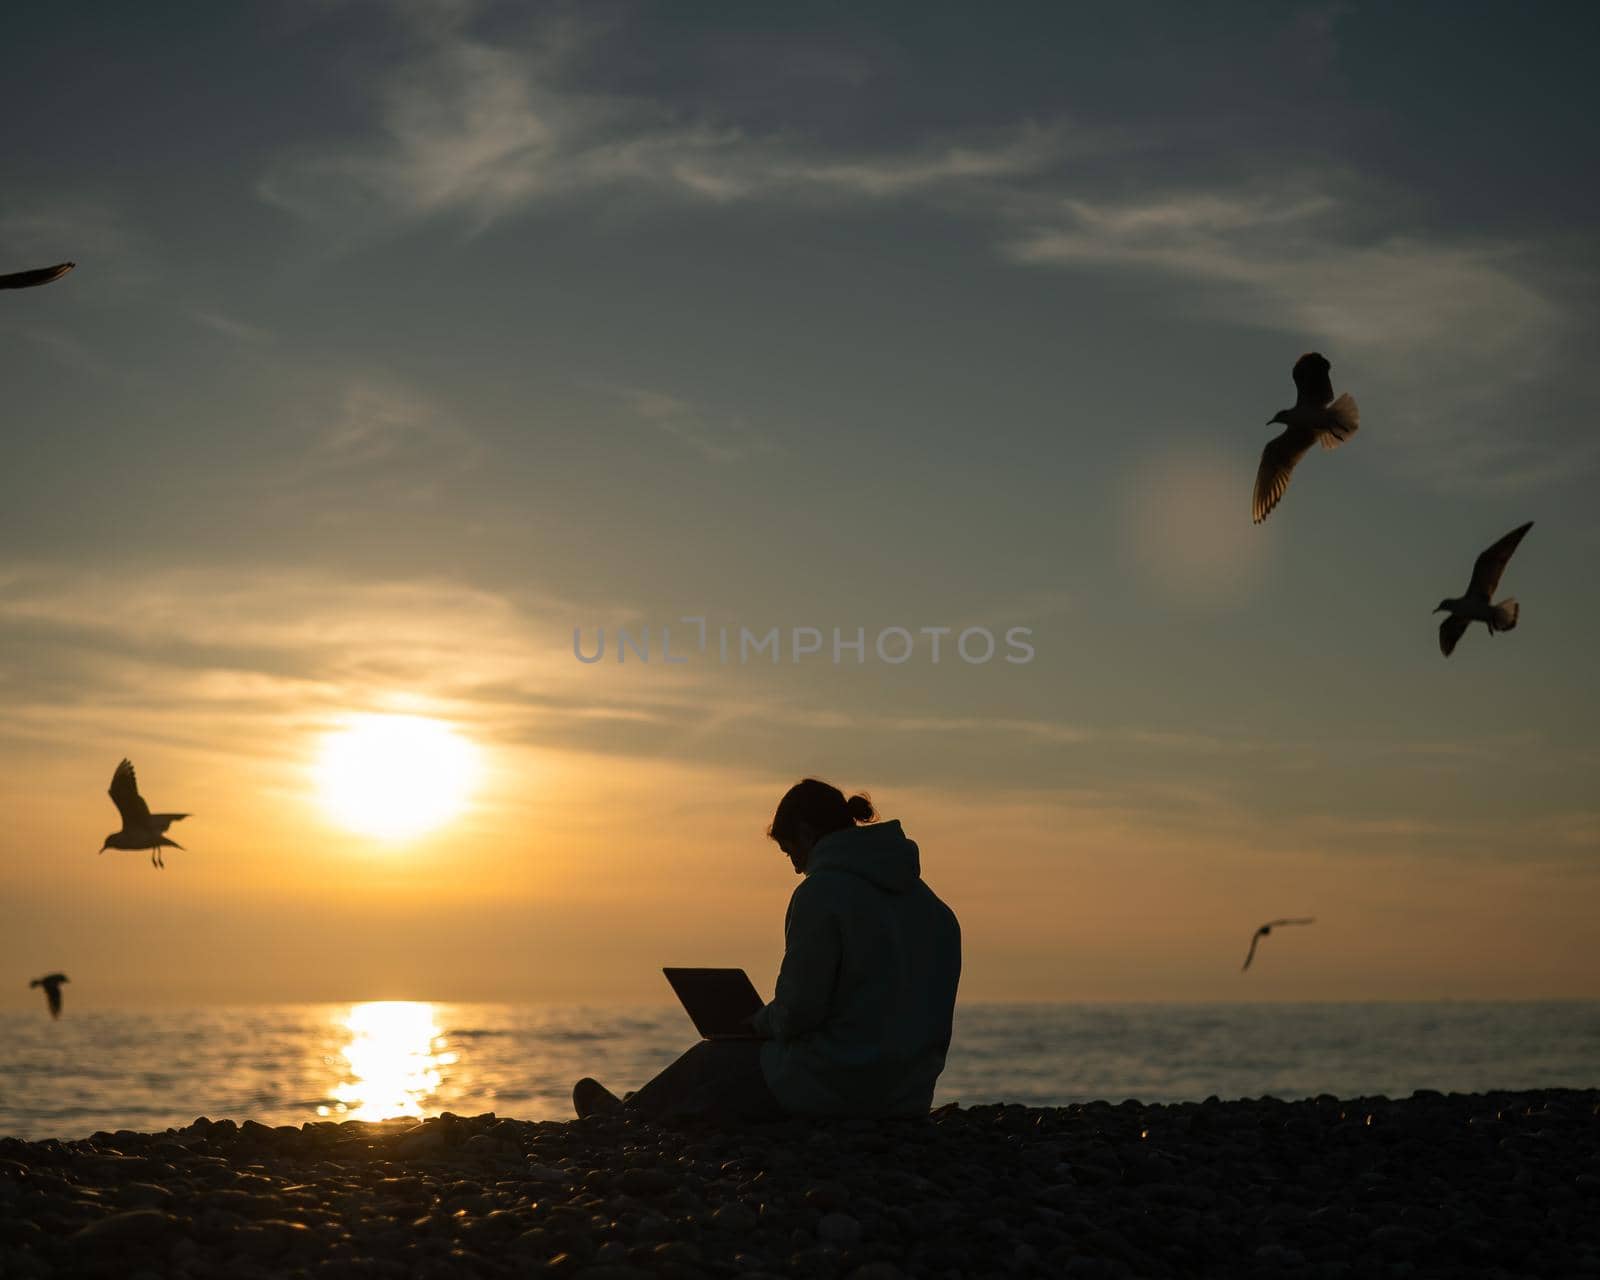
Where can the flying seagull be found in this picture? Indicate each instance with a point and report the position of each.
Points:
(43, 275)
(1475, 606)
(1316, 416)
(141, 829)
(51, 983)
(1264, 930)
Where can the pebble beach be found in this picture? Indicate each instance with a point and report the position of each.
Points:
(1502, 1184)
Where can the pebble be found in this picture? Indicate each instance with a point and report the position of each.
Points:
(839, 1229)
(644, 1181)
(134, 1228)
(1434, 1185)
(736, 1217)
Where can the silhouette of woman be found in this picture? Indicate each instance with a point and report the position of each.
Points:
(860, 1019)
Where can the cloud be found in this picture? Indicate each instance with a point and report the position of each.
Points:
(1441, 334)
(246, 666)
(1577, 831)
(1286, 257)
(1485, 748)
(724, 442)
(1021, 151)
(1046, 731)
(369, 438)
(229, 658)
(1567, 836)
(228, 327)
(478, 131)
(379, 420)
(318, 616)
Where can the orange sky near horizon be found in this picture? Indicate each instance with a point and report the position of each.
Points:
(573, 878)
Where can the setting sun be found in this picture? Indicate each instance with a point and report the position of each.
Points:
(395, 776)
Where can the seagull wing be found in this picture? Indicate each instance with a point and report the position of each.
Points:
(1492, 563)
(52, 991)
(1311, 380)
(1450, 631)
(125, 795)
(159, 822)
(1251, 954)
(44, 275)
(1277, 461)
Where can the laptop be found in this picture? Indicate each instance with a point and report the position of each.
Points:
(718, 1001)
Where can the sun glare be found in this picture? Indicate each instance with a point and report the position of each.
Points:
(395, 776)
(393, 1064)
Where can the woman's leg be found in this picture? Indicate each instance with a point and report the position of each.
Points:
(715, 1080)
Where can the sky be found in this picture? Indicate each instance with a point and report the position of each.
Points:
(413, 347)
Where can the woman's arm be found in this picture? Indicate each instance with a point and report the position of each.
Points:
(810, 965)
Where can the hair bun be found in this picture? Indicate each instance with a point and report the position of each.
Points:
(860, 807)
(822, 807)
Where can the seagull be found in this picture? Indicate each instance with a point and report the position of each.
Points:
(141, 829)
(51, 983)
(44, 275)
(1313, 418)
(1264, 930)
(1475, 606)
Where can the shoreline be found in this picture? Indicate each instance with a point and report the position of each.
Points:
(1492, 1184)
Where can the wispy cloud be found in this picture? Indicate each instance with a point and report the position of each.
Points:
(1021, 151)
(1292, 261)
(1443, 332)
(368, 438)
(479, 131)
(378, 420)
(724, 441)
(216, 663)
(229, 327)
(1577, 831)
(315, 614)
(120, 653)
(1564, 836)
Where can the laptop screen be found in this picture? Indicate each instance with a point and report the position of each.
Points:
(719, 1001)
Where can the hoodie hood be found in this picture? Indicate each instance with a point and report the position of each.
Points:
(878, 852)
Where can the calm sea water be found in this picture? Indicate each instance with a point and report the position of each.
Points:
(286, 1064)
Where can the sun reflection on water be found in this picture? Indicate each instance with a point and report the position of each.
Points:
(393, 1063)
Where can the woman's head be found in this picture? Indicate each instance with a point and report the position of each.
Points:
(810, 810)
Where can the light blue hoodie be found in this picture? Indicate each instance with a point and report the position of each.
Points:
(860, 1019)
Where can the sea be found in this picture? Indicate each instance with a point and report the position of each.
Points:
(287, 1064)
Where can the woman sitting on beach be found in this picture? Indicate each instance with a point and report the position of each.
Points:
(860, 1020)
